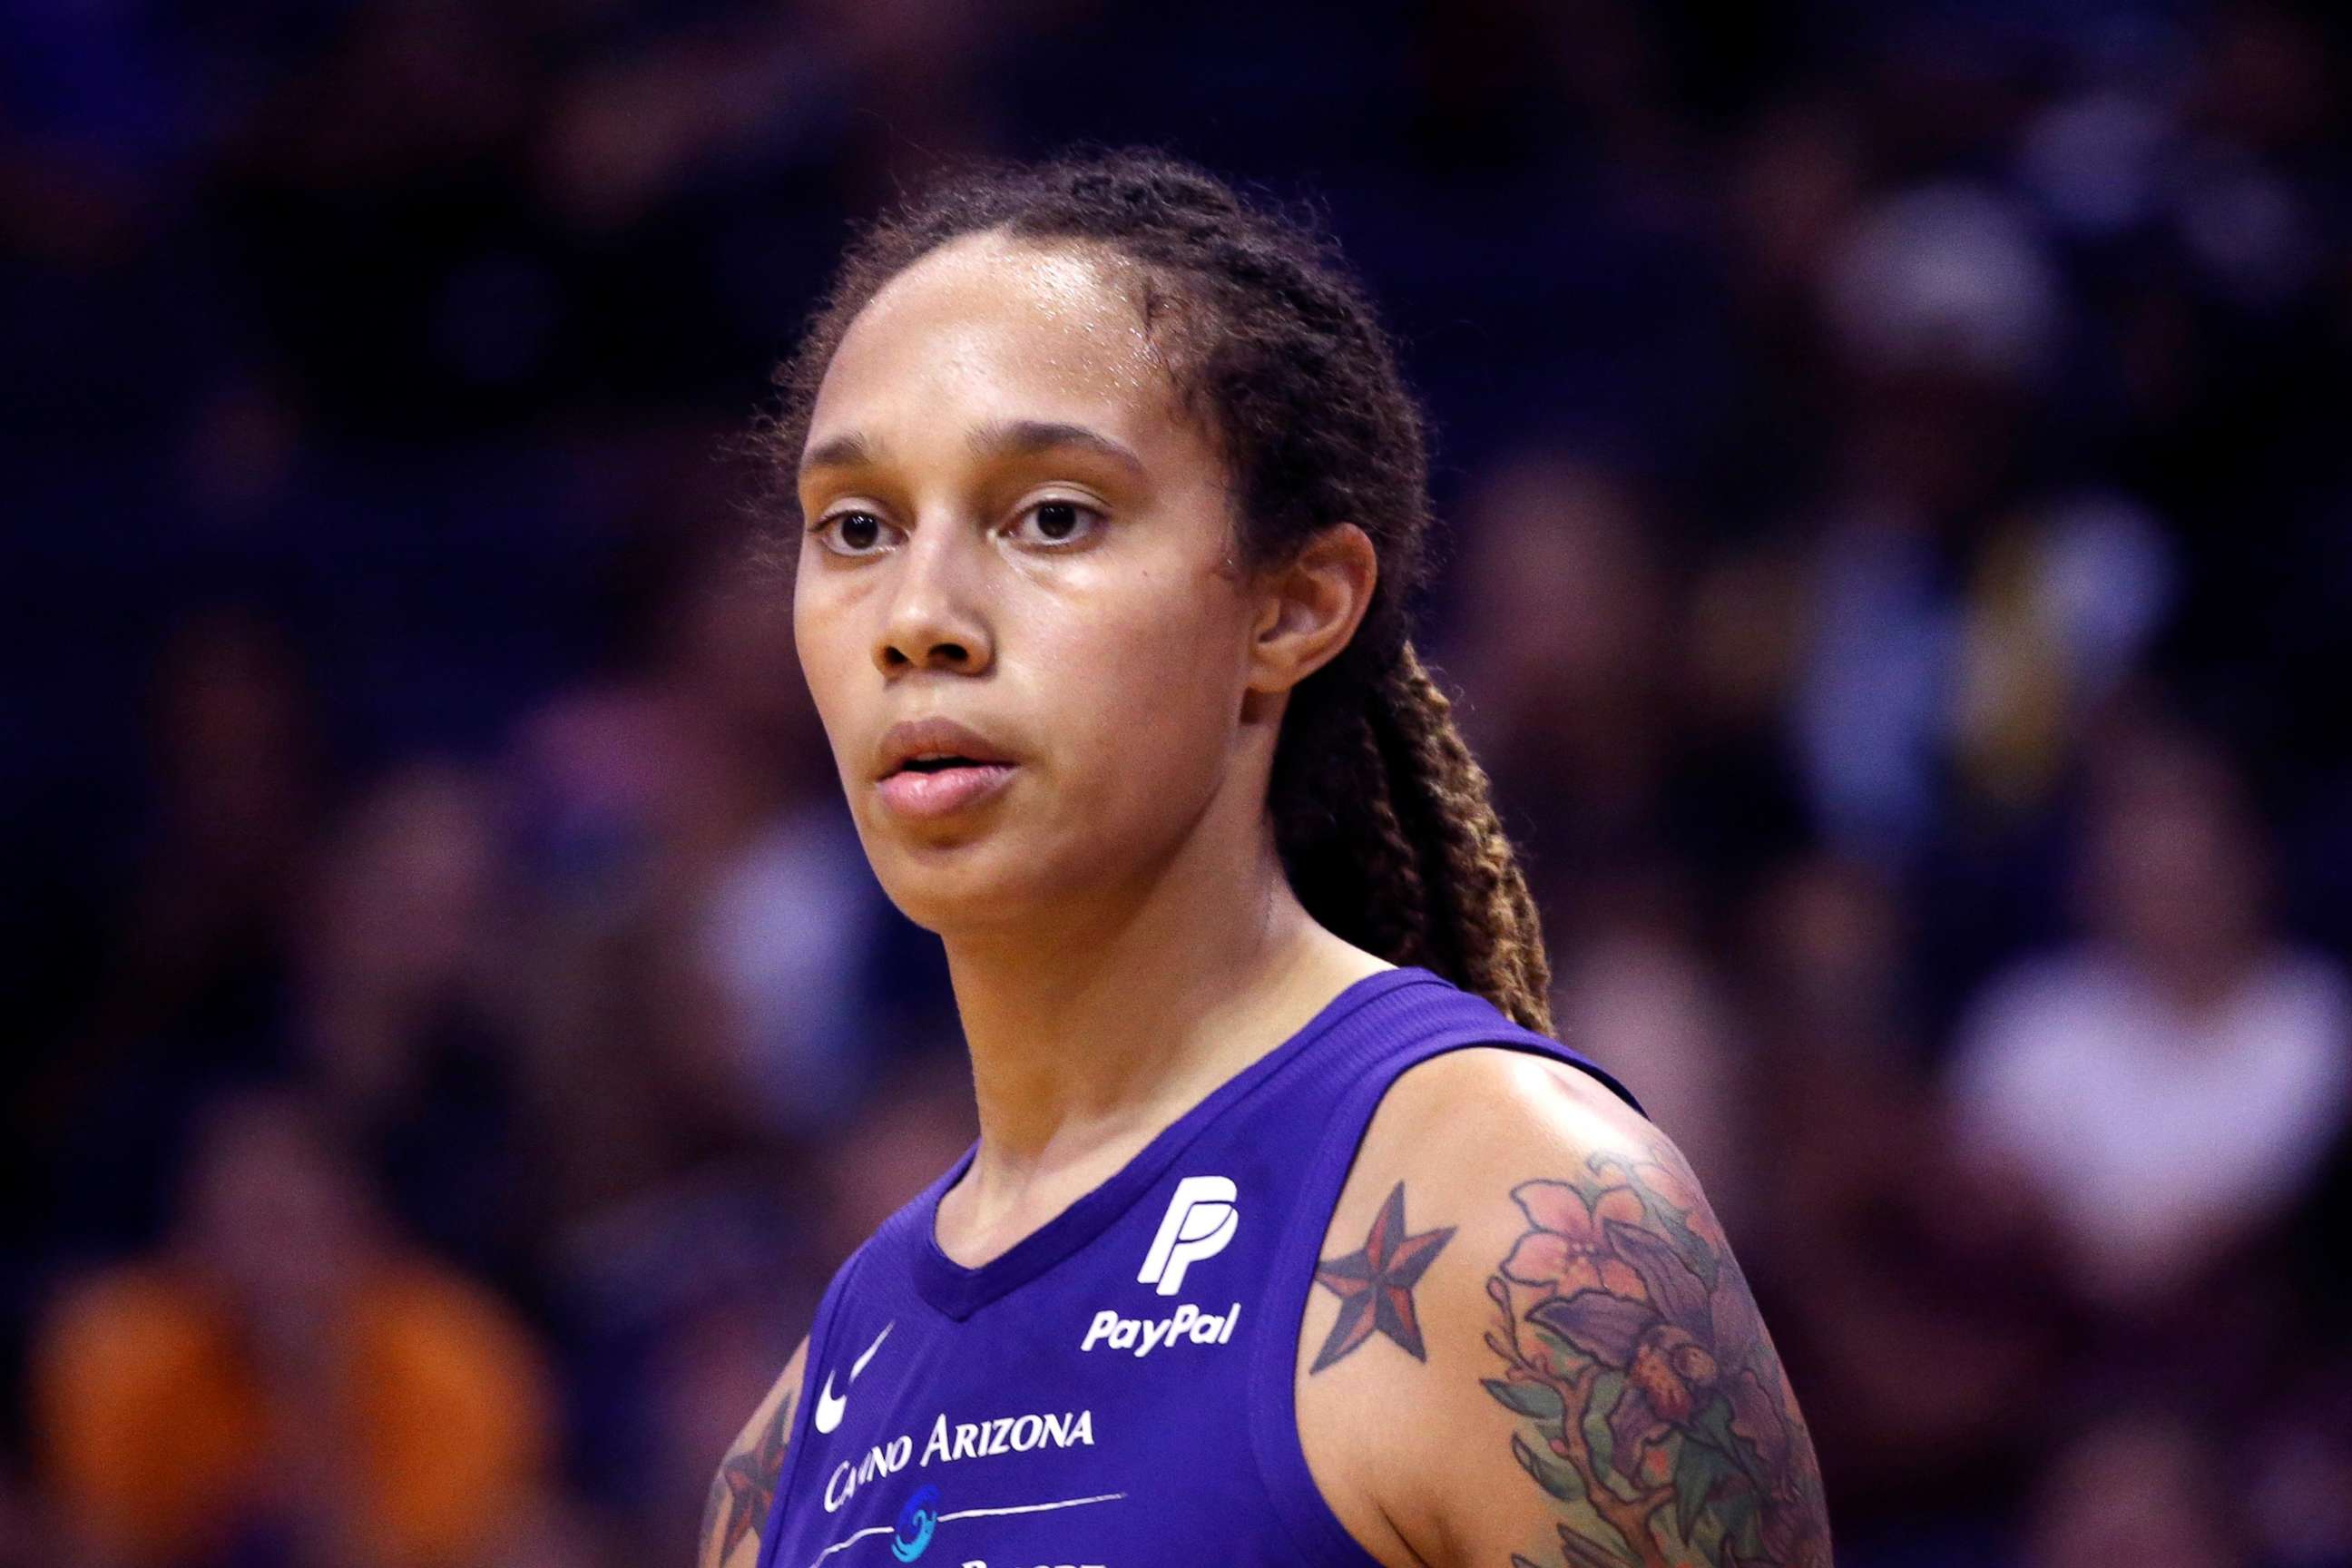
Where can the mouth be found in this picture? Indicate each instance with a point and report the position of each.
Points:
(944, 785)
(938, 765)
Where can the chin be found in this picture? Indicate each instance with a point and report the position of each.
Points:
(949, 885)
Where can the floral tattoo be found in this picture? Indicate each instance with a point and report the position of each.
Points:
(1655, 1410)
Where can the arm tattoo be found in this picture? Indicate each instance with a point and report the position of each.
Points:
(745, 1489)
(1375, 1285)
(1656, 1411)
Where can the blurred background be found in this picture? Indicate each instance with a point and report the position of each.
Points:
(1900, 574)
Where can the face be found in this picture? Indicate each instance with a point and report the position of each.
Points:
(1009, 529)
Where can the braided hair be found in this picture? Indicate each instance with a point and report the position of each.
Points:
(1382, 818)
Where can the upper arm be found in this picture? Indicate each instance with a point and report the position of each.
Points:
(1573, 1369)
(744, 1490)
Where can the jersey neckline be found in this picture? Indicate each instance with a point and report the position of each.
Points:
(959, 1291)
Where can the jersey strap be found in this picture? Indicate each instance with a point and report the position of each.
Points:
(1418, 1022)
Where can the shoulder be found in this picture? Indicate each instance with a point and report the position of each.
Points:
(125, 1341)
(143, 1301)
(2305, 994)
(2045, 995)
(416, 1308)
(1529, 1336)
(743, 1492)
(1517, 1093)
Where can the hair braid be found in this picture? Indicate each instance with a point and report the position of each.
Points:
(1485, 925)
(1382, 816)
(1349, 856)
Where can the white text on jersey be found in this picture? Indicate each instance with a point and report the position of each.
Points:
(1143, 1336)
(963, 1440)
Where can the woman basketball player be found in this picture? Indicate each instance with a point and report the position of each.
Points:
(1288, 1237)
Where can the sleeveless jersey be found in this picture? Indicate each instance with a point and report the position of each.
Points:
(1117, 1389)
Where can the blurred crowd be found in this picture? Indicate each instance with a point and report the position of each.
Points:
(1899, 578)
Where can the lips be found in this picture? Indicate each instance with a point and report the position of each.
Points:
(937, 767)
(929, 745)
(945, 792)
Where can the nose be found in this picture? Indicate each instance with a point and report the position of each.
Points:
(934, 621)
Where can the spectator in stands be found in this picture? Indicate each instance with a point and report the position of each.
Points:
(2170, 1086)
(285, 1384)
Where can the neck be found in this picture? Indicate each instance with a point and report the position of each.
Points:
(1089, 1037)
(2198, 978)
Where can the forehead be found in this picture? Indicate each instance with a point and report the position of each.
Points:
(988, 326)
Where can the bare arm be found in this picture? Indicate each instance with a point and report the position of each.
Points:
(1571, 1366)
(744, 1490)
(1652, 1413)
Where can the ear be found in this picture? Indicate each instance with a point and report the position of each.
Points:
(1309, 607)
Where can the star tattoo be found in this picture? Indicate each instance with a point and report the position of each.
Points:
(1375, 1286)
(746, 1489)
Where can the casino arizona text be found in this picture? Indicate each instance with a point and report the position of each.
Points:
(963, 1440)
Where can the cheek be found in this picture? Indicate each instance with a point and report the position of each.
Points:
(1146, 701)
(829, 654)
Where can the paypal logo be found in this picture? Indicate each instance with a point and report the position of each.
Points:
(1200, 1220)
(1187, 1322)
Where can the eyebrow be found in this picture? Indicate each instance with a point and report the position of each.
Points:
(1027, 438)
(850, 451)
(998, 438)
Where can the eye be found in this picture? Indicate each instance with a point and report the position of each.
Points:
(851, 533)
(1057, 523)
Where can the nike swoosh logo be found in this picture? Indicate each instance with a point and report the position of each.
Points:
(859, 1364)
(828, 1408)
(830, 1405)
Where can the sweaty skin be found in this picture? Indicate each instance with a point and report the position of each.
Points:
(1011, 525)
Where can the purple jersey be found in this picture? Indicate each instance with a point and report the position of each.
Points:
(1115, 1389)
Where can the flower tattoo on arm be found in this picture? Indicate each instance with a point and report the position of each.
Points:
(1655, 1410)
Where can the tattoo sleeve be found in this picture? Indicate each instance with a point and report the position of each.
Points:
(745, 1490)
(1654, 1409)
